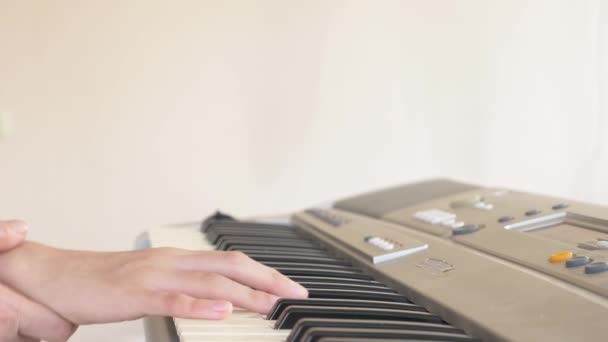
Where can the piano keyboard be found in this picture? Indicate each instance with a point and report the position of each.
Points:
(344, 304)
(431, 261)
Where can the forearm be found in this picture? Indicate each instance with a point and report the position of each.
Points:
(34, 269)
(19, 316)
(22, 319)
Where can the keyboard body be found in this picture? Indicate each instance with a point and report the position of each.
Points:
(495, 264)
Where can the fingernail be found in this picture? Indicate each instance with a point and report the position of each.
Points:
(221, 307)
(298, 290)
(18, 227)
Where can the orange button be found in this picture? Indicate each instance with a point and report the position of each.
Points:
(561, 256)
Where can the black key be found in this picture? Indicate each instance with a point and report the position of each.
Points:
(250, 231)
(284, 303)
(243, 224)
(294, 271)
(335, 280)
(225, 245)
(224, 242)
(275, 264)
(352, 294)
(365, 339)
(315, 252)
(264, 241)
(293, 313)
(261, 257)
(214, 218)
(213, 237)
(315, 334)
(304, 324)
(379, 288)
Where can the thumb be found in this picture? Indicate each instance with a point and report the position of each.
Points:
(12, 233)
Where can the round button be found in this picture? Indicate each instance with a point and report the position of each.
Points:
(596, 267)
(559, 206)
(577, 261)
(505, 219)
(532, 212)
(561, 256)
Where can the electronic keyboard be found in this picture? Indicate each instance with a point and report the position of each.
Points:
(431, 261)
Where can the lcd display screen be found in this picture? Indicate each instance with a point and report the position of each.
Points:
(568, 233)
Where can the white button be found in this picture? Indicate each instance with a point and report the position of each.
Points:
(389, 246)
(457, 224)
(483, 206)
(381, 243)
(434, 216)
(602, 244)
(385, 245)
(448, 222)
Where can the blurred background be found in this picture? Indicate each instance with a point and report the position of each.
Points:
(121, 115)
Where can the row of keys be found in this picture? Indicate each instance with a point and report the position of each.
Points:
(446, 219)
(532, 212)
(344, 302)
(571, 260)
(381, 243)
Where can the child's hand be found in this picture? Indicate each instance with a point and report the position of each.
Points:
(96, 287)
(24, 320)
(20, 318)
(12, 233)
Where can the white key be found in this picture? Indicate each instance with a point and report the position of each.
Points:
(244, 338)
(242, 325)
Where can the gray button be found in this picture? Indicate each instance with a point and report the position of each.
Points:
(326, 217)
(593, 245)
(596, 267)
(577, 261)
(532, 212)
(559, 206)
(467, 229)
(505, 219)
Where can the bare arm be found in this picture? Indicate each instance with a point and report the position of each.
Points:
(22, 320)
(12, 233)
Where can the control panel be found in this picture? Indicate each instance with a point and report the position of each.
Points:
(489, 297)
(564, 239)
(376, 245)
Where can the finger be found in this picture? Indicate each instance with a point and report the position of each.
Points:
(9, 323)
(239, 267)
(183, 306)
(9, 326)
(12, 233)
(216, 286)
(35, 320)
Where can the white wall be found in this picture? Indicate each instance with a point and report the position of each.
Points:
(130, 114)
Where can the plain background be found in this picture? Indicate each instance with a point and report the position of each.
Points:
(130, 114)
